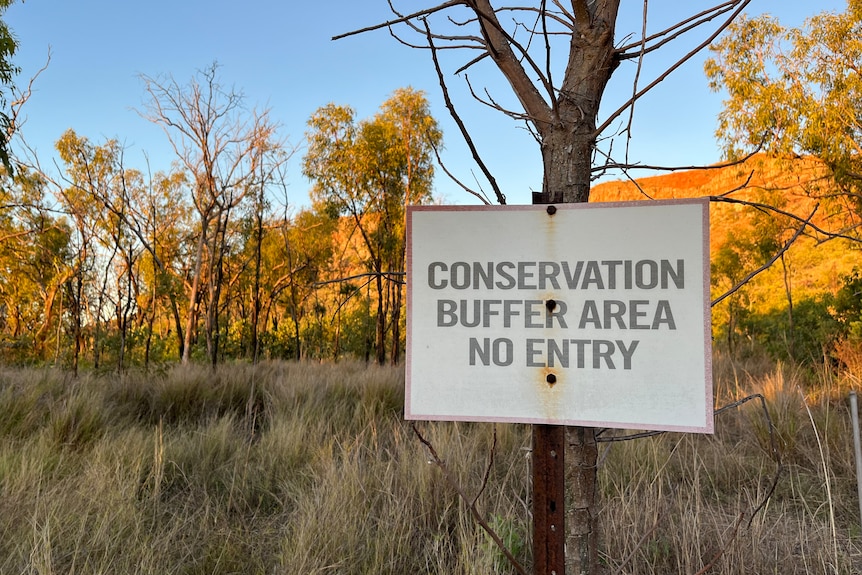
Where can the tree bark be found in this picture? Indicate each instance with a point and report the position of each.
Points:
(192, 315)
(567, 154)
(581, 514)
(381, 318)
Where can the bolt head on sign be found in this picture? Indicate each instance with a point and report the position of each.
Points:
(590, 314)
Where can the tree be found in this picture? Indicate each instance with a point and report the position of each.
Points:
(369, 171)
(301, 252)
(221, 149)
(160, 217)
(558, 59)
(34, 256)
(8, 47)
(99, 196)
(796, 91)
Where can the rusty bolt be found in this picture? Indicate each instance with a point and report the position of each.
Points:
(552, 210)
(551, 379)
(551, 304)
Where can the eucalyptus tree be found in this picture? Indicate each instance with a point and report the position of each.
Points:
(159, 215)
(368, 171)
(89, 177)
(298, 255)
(98, 193)
(35, 253)
(557, 58)
(794, 91)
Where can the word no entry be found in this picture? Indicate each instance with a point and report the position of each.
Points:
(563, 353)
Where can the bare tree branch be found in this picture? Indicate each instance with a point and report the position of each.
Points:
(773, 443)
(480, 195)
(500, 48)
(673, 67)
(403, 19)
(466, 135)
(675, 31)
(791, 215)
(768, 264)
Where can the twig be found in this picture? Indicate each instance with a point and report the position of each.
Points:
(727, 545)
(463, 186)
(639, 544)
(487, 468)
(388, 275)
(790, 215)
(451, 107)
(718, 166)
(773, 445)
(768, 264)
(675, 31)
(401, 20)
(450, 479)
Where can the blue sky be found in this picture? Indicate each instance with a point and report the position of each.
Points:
(279, 54)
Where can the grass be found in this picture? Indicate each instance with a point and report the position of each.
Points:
(308, 468)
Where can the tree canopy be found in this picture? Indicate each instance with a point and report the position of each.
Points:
(794, 90)
(368, 171)
(8, 46)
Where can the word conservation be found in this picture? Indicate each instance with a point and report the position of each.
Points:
(543, 275)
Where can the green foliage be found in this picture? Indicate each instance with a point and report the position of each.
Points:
(35, 246)
(805, 336)
(8, 71)
(794, 91)
(369, 171)
(847, 306)
(812, 329)
(515, 540)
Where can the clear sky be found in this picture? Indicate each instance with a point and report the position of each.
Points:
(280, 55)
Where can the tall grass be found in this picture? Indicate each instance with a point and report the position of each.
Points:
(307, 468)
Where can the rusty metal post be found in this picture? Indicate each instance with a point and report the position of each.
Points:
(549, 496)
(549, 489)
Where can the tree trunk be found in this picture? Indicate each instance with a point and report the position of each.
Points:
(191, 317)
(567, 164)
(381, 319)
(789, 293)
(215, 283)
(567, 153)
(581, 514)
(78, 310)
(254, 350)
(178, 324)
(396, 324)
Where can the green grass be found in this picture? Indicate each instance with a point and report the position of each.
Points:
(310, 468)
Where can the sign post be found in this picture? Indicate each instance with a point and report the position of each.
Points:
(549, 488)
(588, 315)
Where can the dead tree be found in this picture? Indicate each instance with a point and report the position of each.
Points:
(557, 58)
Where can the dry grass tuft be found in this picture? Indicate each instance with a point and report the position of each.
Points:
(307, 468)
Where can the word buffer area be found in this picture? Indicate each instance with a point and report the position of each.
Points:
(537, 314)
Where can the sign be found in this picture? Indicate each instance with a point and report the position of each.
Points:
(575, 314)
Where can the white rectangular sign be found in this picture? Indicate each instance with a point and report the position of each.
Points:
(575, 314)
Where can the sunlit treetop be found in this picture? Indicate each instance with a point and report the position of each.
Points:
(794, 90)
